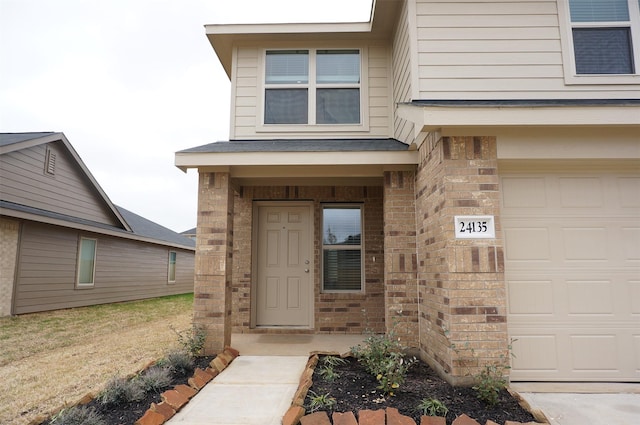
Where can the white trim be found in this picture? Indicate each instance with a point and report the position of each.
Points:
(568, 55)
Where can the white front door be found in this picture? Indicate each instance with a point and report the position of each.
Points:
(284, 286)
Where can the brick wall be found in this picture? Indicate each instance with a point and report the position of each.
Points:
(334, 313)
(214, 260)
(9, 236)
(461, 282)
(401, 296)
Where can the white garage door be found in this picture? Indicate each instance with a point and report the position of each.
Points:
(572, 265)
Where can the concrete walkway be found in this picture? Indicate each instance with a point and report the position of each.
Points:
(252, 390)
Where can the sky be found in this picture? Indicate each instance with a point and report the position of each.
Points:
(131, 82)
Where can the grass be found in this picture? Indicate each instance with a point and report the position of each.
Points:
(54, 358)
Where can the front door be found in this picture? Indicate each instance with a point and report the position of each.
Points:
(284, 286)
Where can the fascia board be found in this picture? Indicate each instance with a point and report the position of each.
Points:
(212, 159)
(434, 117)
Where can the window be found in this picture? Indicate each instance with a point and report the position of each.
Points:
(605, 36)
(312, 87)
(172, 266)
(86, 261)
(342, 248)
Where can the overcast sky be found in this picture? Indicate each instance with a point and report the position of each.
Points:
(130, 82)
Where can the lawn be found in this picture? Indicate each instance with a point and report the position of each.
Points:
(52, 358)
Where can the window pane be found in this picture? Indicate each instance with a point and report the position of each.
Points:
(603, 50)
(286, 106)
(172, 266)
(341, 226)
(599, 10)
(287, 67)
(338, 106)
(87, 259)
(338, 66)
(342, 270)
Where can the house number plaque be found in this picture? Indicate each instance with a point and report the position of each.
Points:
(474, 227)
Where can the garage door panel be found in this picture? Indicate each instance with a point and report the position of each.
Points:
(572, 267)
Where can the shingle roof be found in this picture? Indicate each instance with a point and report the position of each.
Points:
(301, 145)
(143, 227)
(11, 138)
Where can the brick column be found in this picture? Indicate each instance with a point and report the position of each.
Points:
(400, 262)
(461, 281)
(214, 247)
(9, 236)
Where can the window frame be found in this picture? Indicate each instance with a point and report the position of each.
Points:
(169, 268)
(84, 285)
(360, 248)
(312, 86)
(571, 76)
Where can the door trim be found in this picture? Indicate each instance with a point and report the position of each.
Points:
(254, 263)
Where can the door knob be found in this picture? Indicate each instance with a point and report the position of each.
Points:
(306, 270)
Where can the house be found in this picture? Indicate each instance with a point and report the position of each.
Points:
(65, 244)
(466, 174)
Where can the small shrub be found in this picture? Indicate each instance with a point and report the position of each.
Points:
(179, 362)
(490, 382)
(79, 415)
(432, 407)
(155, 379)
(321, 401)
(328, 373)
(121, 391)
(191, 340)
(393, 371)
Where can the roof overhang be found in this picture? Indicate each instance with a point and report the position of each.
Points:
(223, 37)
(434, 115)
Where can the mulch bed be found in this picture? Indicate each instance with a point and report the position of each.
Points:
(128, 413)
(356, 389)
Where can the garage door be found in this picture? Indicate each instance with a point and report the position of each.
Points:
(572, 266)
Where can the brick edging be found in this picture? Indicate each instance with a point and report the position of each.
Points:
(175, 399)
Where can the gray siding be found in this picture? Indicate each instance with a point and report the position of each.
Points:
(125, 270)
(23, 180)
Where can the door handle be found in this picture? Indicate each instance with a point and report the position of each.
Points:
(306, 270)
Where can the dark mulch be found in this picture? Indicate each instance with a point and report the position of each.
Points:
(356, 389)
(127, 414)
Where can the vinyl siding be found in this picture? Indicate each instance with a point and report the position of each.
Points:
(497, 50)
(246, 95)
(124, 270)
(402, 90)
(23, 181)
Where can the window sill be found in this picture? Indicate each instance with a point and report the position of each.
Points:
(305, 128)
(608, 79)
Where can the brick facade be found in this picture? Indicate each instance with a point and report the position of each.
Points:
(214, 260)
(462, 309)
(9, 234)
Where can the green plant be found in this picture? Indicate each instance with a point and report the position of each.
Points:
(432, 407)
(121, 391)
(327, 371)
(382, 356)
(180, 362)
(191, 340)
(393, 371)
(320, 401)
(79, 415)
(490, 381)
(333, 361)
(155, 379)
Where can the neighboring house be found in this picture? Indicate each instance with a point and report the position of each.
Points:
(191, 233)
(64, 244)
(465, 173)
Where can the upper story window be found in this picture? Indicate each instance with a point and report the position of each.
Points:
(605, 38)
(312, 87)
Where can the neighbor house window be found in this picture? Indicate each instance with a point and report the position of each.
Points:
(342, 248)
(86, 261)
(172, 266)
(605, 36)
(312, 87)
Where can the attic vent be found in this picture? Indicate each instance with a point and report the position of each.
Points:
(50, 163)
